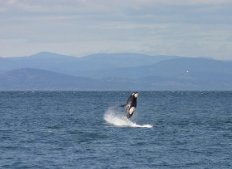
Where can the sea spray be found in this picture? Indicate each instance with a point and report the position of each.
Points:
(115, 118)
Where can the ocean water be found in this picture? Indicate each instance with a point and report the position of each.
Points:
(69, 130)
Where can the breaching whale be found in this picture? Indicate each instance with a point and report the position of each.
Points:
(131, 104)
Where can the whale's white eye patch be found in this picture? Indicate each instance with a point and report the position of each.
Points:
(136, 95)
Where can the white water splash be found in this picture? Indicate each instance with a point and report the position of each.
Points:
(114, 119)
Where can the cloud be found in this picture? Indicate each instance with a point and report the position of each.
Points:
(124, 10)
(173, 27)
(105, 5)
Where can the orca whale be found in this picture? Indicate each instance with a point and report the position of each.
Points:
(131, 104)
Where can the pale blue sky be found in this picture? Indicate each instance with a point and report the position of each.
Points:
(81, 27)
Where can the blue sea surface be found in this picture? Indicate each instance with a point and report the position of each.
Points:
(67, 130)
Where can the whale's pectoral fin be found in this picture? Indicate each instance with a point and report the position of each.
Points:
(123, 105)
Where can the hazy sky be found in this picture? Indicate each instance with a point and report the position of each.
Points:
(81, 27)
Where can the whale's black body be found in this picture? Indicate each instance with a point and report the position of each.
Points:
(131, 104)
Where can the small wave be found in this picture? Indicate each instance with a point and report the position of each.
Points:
(114, 119)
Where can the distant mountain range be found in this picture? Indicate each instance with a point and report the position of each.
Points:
(125, 71)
